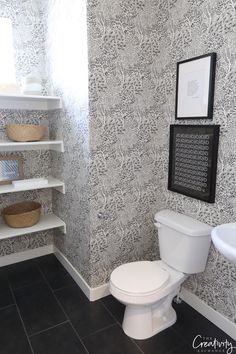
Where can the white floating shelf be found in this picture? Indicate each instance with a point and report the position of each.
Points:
(56, 145)
(29, 102)
(47, 222)
(52, 183)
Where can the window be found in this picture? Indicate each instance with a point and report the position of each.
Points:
(7, 62)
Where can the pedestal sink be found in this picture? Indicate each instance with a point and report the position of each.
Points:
(224, 239)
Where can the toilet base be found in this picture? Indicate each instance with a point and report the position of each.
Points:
(142, 322)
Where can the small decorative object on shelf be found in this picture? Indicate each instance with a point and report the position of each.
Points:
(25, 132)
(32, 84)
(21, 215)
(11, 169)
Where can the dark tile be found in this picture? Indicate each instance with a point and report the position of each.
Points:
(54, 272)
(58, 340)
(110, 341)
(87, 317)
(184, 349)
(49, 261)
(5, 292)
(191, 323)
(23, 273)
(163, 342)
(38, 307)
(12, 336)
(115, 307)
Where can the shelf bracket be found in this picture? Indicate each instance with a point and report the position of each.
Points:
(58, 147)
(61, 189)
(63, 229)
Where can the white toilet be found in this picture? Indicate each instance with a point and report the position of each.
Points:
(148, 288)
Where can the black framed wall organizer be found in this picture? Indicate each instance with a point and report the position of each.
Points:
(193, 160)
(195, 83)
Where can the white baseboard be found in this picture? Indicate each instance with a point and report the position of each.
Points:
(92, 294)
(215, 317)
(25, 255)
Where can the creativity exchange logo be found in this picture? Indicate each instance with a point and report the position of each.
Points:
(212, 345)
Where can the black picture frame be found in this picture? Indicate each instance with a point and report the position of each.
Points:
(201, 85)
(186, 169)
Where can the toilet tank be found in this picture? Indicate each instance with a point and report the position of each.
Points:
(184, 242)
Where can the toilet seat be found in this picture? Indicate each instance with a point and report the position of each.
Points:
(139, 278)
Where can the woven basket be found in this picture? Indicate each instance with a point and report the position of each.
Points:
(23, 214)
(25, 132)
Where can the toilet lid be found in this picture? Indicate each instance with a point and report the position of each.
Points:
(139, 277)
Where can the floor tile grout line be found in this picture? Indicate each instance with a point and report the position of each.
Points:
(180, 334)
(61, 307)
(110, 313)
(47, 329)
(45, 279)
(64, 287)
(5, 307)
(27, 284)
(21, 319)
(131, 339)
(98, 331)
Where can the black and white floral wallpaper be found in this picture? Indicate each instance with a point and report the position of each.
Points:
(67, 67)
(133, 49)
(116, 159)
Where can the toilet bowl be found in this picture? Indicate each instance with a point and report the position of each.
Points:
(147, 288)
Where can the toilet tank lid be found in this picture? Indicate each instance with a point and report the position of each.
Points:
(182, 223)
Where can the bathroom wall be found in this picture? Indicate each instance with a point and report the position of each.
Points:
(133, 49)
(68, 73)
(29, 43)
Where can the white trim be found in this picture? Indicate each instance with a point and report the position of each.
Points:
(92, 294)
(56, 145)
(215, 317)
(45, 103)
(99, 292)
(25, 255)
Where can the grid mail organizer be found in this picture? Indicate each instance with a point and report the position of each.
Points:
(193, 160)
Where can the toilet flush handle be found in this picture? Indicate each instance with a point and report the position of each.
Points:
(157, 224)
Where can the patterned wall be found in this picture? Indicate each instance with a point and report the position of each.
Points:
(133, 49)
(29, 43)
(68, 71)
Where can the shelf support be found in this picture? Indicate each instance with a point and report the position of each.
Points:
(61, 189)
(63, 229)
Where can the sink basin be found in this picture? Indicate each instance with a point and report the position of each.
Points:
(224, 239)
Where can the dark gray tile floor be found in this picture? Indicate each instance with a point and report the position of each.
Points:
(43, 311)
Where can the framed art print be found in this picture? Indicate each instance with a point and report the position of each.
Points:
(193, 160)
(11, 169)
(195, 84)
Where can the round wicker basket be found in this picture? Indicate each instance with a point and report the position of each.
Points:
(23, 214)
(25, 132)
